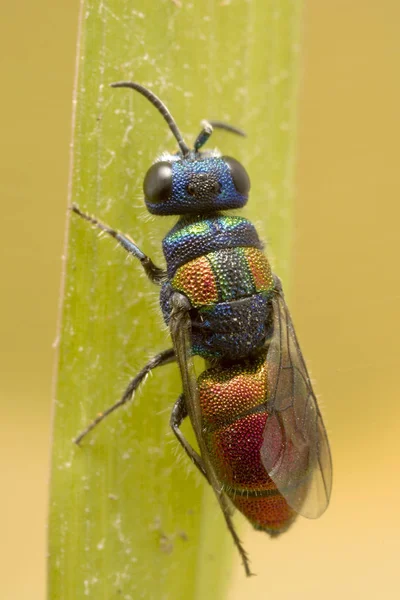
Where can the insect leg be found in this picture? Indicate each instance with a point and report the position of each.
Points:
(178, 414)
(163, 358)
(181, 334)
(154, 273)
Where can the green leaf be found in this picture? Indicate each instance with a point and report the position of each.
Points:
(129, 516)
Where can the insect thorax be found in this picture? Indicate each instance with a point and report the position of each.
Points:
(218, 263)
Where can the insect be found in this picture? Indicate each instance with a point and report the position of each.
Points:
(263, 445)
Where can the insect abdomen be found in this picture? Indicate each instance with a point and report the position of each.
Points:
(233, 403)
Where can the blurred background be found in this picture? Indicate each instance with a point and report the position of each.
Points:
(344, 297)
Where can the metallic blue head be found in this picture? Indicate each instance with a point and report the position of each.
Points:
(192, 181)
(197, 183)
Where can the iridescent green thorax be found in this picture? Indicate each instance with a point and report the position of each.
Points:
(224, 276)
(217, 262)
(196, 236)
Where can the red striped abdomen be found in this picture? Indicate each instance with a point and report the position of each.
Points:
(234, 415)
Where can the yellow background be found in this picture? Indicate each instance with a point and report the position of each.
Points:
(344, 294)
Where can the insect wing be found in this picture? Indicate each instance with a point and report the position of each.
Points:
(181, 334)
(295, 450)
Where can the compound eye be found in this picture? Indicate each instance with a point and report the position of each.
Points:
(239, 175)
(157, 185)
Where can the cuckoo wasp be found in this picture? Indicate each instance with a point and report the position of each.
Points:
(262, 443)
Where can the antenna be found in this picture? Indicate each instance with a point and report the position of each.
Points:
(160, 106)
(209, 126)
(227, 127)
